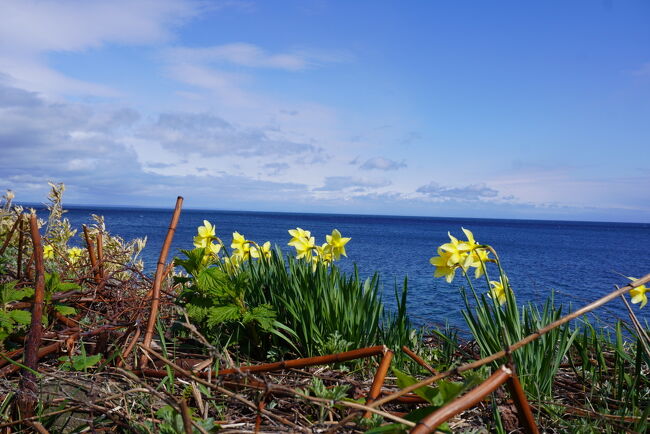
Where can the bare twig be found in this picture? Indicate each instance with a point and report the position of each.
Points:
(160, 267)
(378, 381)
(27, 392)
(433, 420)
(419, 360)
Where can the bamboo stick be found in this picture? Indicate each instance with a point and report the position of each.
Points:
(517, 345)
(10, 234)
(91, 254)
(27, 391)
(419, 360)
(155, 296)
(378, 381)
(433, 420)
(100, 254)
(310, 361)
(524, 412)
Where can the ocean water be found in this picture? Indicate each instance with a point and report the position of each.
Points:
(580, 261)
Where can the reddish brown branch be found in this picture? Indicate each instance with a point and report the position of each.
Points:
(27, 391)
(157, 283)
(524, 413)
(435, 419)
(100, 255)
(310, 361)
(419, 360)
(378, 381)
(91, 254)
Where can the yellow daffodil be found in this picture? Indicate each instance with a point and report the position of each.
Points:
(74, 254)
(304, 247)
(200, 242)
(441, 262)
(457, 251)
(207, 230)
(48, 252)
(498, 291)
(477, 259)
(337, 243)
(471, 243)
(325, 253)
(264, 251)
(297, 235)
(214, 248)
(638, 294)
(241, 246)
(231, 264)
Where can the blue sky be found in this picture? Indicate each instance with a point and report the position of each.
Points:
(477, 109)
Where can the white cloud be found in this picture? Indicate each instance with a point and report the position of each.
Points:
(473, 192)
(30, 29)
(253, 56)
(381, 163)
(340, 183)
(40, 26)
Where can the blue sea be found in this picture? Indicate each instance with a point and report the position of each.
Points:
(580, 261)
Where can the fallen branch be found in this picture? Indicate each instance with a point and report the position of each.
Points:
(157, 283)
(26, 399)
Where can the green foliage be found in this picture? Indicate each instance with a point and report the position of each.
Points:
(615, 367)
(80, 362)
(217, 302)
(318, 389)
(494, 327)
(326, 307)
(12, 320)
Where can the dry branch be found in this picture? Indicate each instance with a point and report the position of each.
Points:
(160, 267)
(27, 392)
(432, 421)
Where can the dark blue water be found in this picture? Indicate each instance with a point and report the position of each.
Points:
(579, 260)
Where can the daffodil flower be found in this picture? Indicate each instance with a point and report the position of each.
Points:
(48, 251)
(457, 251)
(477, 258)
(241, 245)
(304, 247)
(441, 262)
(207, 230)
(337, 243)
(638, 294)
(325, 253)
(498, 291)
(471, 243)
(264, 251)
(297, 235)
(231, 264)
(74, 254)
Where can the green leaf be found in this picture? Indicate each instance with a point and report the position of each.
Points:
(263, 314)
(430, 394)
(20, 316)
(81, 362)
(65, 310)
(212, 280)
(220, 314)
